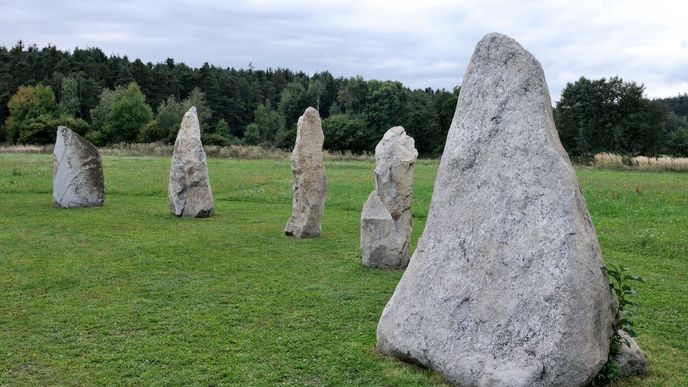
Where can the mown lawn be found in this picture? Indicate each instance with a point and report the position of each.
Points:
(128, 294)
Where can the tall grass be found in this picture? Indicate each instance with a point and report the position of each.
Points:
(26, 148)
(642, 163)
(248, 152)
(251, 152)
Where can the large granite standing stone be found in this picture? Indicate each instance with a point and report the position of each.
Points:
(189, 193)
(507, 286)
(78, 174)
(386, 219)
(308, 171)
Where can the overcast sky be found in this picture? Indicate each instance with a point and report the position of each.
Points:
(424, 43)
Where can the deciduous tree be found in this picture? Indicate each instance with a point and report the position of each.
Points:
(122, 113)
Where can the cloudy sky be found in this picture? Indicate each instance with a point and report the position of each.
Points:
(424, 43)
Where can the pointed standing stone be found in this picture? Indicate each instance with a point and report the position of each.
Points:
(189, 193)
(507, 286)
(308, 170)
(386, 219)
(78, 174)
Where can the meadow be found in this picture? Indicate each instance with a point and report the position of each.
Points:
(129, 294)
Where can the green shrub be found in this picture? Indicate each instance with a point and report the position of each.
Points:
(620, 284)
(251, 135)
(343, 132)
(216, 139)
(678, 142)
(150, 133)
(96, 138)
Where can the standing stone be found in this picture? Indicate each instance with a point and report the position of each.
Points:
(308, 171)
(386, 217)
(189, 193)
(507, 286)
(78, 174)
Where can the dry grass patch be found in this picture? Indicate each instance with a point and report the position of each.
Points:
(642, 163)
(246, 152)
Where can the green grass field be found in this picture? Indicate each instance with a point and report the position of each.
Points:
(129, 294)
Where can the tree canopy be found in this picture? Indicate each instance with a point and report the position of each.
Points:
(609, 115)
(111, 99)
(33, 116)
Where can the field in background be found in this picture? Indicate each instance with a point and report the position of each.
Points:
(252, 152)
(245, 152)
(128, 294)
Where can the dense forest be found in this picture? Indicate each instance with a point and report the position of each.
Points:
(610, 115)
(110, 99)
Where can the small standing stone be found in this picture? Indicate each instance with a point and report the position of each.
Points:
(630, 359)
(308, 171)
(386, 219)
(189, 193)
(78, 174)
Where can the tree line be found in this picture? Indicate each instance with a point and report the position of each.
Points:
(610, 115)
(110, 99)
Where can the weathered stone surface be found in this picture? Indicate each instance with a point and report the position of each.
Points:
(506, 286)
(380, 242)
(189, 193)
(630, 359)
(78, 174)
(386, 219)
(308, 171)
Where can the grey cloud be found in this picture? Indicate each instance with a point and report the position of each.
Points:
(423, 44)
